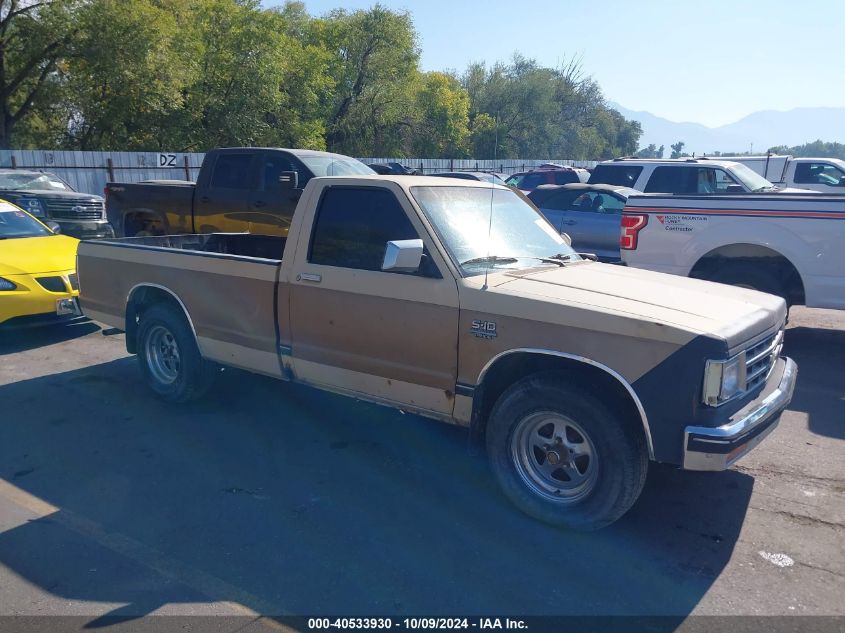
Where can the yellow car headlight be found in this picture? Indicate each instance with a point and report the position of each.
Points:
(5, 284)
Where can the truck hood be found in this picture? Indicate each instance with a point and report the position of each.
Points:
(35, 255)
(701, 307)
(45, 193)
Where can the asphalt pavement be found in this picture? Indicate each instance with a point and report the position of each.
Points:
(272, 498)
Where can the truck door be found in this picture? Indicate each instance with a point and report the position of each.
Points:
(222, 202)
(356, 328)
(271, 205)
(820, 176)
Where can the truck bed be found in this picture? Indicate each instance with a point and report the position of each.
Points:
(226, 284)
(127, 204)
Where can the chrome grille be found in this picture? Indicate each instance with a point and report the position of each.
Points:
(760, 360)
(74, 209)
(53, 284)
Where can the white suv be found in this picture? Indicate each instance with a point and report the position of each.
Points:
(682, 176)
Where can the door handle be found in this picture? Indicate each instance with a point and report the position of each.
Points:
(205, 199)
(569, 222)
(259, 203)
(312, 277)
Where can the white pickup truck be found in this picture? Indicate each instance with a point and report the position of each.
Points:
(789, 245)
(819, 174)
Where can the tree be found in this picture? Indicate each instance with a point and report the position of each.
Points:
(677, 150)
(34, 37)
(652, 151)
(373, 65)
(440, 118)
(819, 149)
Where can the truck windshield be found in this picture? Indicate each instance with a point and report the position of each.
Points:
(32, 181)
(750, 178)
(485, 228)
(336, 166)
(16, 223)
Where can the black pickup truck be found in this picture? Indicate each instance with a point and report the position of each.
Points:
(252, 189)
(51, 199)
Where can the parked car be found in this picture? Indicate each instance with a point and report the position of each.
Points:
(528, 181)
(683, 176)
(396, 169)
(38, 282)
(826, 175)
(48, 197)
(482, 176)
(238, 189)
(789, 245)
(573, 373)
(590, 214)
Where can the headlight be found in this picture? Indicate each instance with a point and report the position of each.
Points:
(32, 206)
(5, 284)
(724, 379)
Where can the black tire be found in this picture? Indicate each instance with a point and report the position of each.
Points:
(746, 275)
(618, 447)
(191, 374)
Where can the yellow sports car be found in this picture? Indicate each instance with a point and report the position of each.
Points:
(38, 281)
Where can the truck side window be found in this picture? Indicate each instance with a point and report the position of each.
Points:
(353, 226)
(274, 165)
(673, 180)
(817, 174)
(231, 171)
(620, 175)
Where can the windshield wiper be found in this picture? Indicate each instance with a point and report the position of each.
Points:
(496, 259)
(490, 259)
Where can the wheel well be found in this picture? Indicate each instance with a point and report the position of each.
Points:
(136, 221)
(517, 365)
(142, 299)
(753, 255)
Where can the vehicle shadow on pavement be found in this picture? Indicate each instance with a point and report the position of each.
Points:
(21, 339)
(293, 501)
(820, 391)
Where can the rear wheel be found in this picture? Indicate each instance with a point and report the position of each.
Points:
(755, 277)
(169, 357)
(564, 457)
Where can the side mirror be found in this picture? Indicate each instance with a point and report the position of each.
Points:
(567, 238)
(289, 180)
(734, 189)
(54, 226)
(403, 256)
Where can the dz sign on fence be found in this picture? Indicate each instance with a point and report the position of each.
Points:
(167, 160)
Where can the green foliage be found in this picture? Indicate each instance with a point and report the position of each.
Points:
(652, 151)
(678, 150)
(190, 75)
(816, 149)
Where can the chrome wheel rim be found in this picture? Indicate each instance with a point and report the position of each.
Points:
(162, 354)
(554, 456)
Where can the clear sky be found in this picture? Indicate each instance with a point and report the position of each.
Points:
(707, 61)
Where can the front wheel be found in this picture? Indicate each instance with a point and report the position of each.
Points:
(564, 457)
(169, 357)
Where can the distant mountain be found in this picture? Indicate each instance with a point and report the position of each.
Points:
(764, 129)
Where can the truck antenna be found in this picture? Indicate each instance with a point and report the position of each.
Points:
(489, 233)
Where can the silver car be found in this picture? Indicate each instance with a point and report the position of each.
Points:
(589, 214)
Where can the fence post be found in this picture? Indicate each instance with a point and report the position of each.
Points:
(187, 168)
(110, 168)
(451, 164)
(14, 162)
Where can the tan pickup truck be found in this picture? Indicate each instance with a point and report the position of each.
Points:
(460, 302)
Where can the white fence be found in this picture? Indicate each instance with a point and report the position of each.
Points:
(89, 171)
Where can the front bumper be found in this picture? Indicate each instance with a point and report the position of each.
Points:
(31, 299)
(718, 448)
(84, 229)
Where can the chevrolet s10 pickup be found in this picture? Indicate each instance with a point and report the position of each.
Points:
(460, 302)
